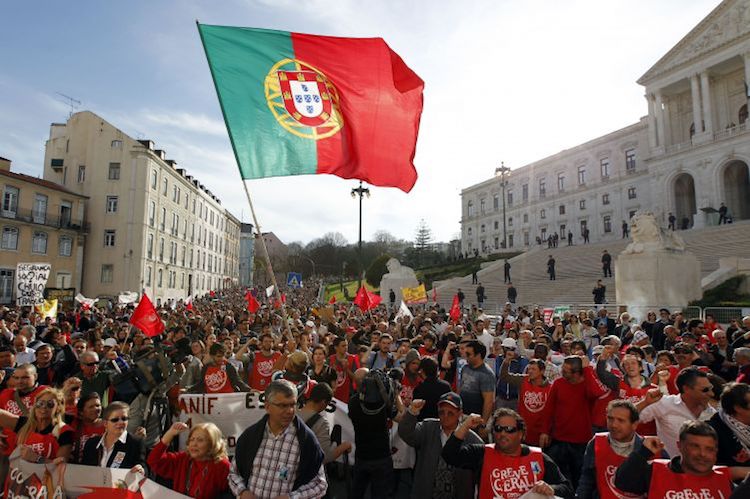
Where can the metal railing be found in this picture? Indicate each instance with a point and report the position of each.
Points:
(46, 220)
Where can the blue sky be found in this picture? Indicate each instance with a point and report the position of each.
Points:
(560, 73)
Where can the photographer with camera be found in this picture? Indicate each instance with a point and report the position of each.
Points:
(370, 410)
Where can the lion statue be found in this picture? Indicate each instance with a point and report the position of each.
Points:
(648, 236)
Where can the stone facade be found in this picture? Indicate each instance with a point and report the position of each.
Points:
(662, 164)
(154, 227)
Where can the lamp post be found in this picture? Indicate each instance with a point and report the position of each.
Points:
(360, 191)
(503, 171)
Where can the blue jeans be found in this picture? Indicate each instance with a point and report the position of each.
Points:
(377, 473)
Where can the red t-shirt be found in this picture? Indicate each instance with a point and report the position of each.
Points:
(260, 375)
(343, 388)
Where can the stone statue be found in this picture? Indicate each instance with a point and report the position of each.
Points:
(648, 236)
(398, 277)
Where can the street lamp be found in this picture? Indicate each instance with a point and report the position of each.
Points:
(503, 172)
(360, 191)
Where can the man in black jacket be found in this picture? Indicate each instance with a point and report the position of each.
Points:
(278, 455)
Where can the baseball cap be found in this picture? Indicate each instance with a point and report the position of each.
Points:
(110, 342)
(451, 398)
(509, 343)
(597, 350)
(640, 336)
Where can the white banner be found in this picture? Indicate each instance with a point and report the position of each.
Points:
(31, 279)
(39, 481)
(127, 297)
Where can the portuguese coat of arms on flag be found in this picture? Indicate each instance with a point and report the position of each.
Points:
(297, 104)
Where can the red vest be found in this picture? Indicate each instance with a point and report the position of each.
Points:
(670, 485)
(343, 387)
(260, 376)
(509, 477)
(532, 406)
(606, 464)
(635, 395)
(216, 379)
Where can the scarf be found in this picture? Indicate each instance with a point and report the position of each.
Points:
(622, 448)
(741, 431)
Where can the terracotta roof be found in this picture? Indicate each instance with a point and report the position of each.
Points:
(40, 182)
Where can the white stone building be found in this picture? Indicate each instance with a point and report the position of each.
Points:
(153, 226)
(663, 163)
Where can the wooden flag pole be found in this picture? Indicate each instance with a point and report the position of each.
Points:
(268, 260)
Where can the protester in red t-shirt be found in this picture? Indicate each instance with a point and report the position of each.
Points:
(344, 364)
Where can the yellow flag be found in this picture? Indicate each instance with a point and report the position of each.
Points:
(414, 295)
(47, 309)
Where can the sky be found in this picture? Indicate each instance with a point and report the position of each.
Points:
(505, 80)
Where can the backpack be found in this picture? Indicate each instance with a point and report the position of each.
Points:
(377, 393)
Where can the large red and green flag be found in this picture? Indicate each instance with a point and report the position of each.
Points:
(297, 104)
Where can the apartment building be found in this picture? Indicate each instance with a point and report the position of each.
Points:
(154, 227)
(41, 223)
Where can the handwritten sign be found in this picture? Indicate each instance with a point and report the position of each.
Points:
(31, 279)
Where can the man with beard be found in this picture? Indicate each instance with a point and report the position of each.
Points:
(506, 468)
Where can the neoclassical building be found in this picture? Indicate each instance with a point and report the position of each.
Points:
(153, 226)
(686, 157)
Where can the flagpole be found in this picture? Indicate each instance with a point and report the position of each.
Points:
(267, 258)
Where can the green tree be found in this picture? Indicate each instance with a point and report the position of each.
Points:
(377, 270)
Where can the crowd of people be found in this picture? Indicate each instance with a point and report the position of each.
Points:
(589, 405)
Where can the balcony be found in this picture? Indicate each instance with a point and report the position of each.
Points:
(55, 222)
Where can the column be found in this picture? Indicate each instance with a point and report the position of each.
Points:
(651, 122)
(661, 142)
(695, 93)
(746, 56)
(706, 97)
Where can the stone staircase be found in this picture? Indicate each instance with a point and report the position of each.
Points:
(579, 266)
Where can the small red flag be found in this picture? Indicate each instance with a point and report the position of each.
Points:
(146, 319)
(455, 312)
(189, 303)
(366, 300)
(332, 300)
(434, 295)
(283, 298)
(212, 293)
(252, 303)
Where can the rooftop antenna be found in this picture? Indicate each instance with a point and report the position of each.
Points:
(73, 103)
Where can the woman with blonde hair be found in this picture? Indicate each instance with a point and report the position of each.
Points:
(202, 469)
(43, 435)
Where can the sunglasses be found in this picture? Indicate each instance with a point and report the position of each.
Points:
(507, 429)
(90, 364)
(124, 419)
(49, 404)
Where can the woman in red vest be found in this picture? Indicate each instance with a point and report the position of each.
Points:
(199, 471)
(89, 423)
(43, 435)
(632, 385)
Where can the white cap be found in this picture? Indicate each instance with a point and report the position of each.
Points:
(509, 343)
(110, 342)
(310, 324)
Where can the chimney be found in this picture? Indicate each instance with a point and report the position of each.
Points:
(148, 144)
(5, 164)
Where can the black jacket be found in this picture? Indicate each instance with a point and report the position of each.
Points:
(135, 453)
(310, 458)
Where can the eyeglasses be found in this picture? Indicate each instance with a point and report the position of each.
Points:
(124, 419)
(49, 404)
(507, 429)
(90, 364)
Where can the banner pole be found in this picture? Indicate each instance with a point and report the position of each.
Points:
(268, 259)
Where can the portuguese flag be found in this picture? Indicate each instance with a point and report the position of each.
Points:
(298, 104)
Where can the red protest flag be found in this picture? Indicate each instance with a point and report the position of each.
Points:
(366, 300)
(252, 304)
(332, 300)
(146, 319)
(283, 298)
(434, 295)
(189, 303)
(455, 312)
